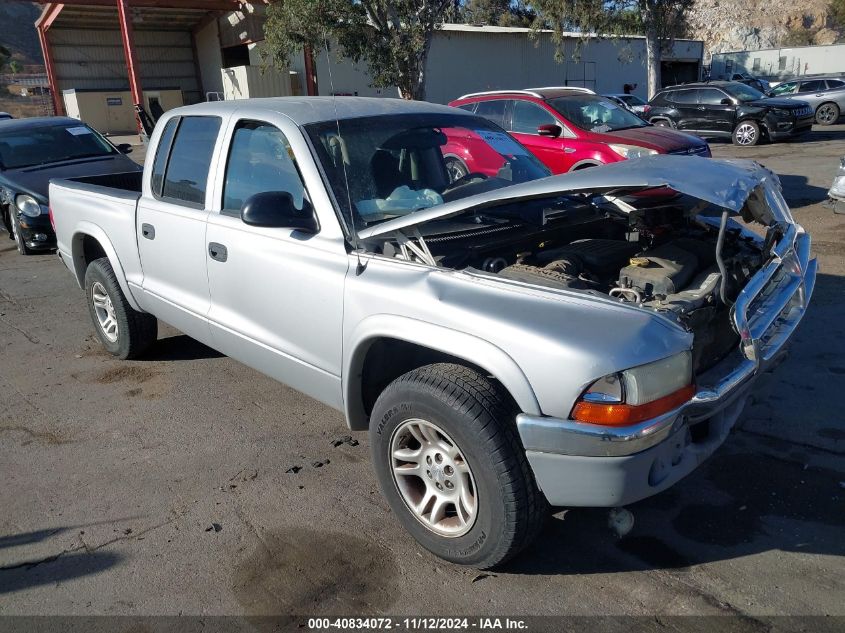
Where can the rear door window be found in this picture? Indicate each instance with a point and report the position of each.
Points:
(163, 151)
(812, 86)
(834, 84)
(684, 96)
(186, 175)
(493, 110)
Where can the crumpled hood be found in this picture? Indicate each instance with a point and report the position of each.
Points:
(727, 183)
(778, 102)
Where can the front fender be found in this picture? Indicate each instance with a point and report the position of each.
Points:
(459, 344)
(84, 229)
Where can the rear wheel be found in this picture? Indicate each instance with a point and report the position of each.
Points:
(122, 330)
(827, 114)
(661, 123)
(747, 133)
(450, 463)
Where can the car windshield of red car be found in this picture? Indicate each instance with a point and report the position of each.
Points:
(595, 114)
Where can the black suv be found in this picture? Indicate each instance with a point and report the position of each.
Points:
(729, 109)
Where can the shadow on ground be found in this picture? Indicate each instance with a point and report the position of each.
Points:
(179, 347)
(56, 569)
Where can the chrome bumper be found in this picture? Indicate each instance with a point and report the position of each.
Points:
(766, 314)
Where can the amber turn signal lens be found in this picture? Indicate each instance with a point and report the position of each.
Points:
(627, 414)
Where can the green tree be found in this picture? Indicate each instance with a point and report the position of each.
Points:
(498, 13)
(393, 37)
(660, 21)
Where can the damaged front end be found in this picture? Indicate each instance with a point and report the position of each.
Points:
(709, 245)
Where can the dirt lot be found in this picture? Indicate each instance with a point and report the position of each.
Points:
(186, 483)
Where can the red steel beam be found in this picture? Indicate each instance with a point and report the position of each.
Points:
(49, 15)
(127, 35)
(55, 93)
(205, 5)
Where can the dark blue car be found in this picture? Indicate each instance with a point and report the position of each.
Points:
(34, 151)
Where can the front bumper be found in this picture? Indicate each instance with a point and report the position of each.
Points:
(579, 464)
(780, 129)
(37, 232)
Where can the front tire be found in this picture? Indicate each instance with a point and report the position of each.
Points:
(661, 123)
(123, 331)
(456, 169)
(746, 134)
(23, 249)
(827, 114)
(450, 463)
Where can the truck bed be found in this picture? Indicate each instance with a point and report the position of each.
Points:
(104, 207)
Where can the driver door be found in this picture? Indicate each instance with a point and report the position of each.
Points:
(276, 293)
(553, 152)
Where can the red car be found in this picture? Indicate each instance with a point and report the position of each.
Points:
(569, 128)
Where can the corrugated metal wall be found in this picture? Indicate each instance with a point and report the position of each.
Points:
(781, 63)
(465, 61)
(87, 59)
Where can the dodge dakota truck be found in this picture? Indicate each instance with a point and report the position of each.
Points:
(510, 340)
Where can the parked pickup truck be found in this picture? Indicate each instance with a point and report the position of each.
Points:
(510, 341)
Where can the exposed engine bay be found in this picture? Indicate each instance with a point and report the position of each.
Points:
(668, 252)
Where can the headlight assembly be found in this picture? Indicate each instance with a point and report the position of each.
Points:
(637, 394)
(632, 151)
(28, 206)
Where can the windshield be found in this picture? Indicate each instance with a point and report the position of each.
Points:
(743, 92)
(596, 114)
(398, 164)
(28, 147)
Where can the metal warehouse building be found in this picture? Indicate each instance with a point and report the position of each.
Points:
(104, 56)
(781, 63)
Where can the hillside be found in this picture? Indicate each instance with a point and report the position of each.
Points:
(17, 30)
(735, 25)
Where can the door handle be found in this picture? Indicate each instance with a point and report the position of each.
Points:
(569, 150)
(701, 107)
(148, 231)
(217, 252)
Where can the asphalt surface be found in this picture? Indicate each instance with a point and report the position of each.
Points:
(186, 483)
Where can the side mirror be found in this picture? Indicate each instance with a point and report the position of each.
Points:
(550, 129)
(276, 209)
(124, 148)
(726, 101)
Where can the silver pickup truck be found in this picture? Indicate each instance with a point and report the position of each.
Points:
(510, 340)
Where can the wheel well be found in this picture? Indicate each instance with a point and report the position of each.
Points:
(388, 358)
(585, 166)
(91, 250)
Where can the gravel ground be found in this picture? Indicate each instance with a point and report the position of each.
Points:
(186, 483)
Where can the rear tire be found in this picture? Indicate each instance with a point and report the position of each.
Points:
(450, 464)
(827, 114)
(123, 331)
(746, 134)
(661, 123)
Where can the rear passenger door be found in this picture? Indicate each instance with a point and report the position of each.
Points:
(276, 293)
(171, 224)
(686, 104)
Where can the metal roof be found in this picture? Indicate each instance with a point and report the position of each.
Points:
(304, 110)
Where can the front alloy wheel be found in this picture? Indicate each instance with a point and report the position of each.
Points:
(746, 133)
(433, 478)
